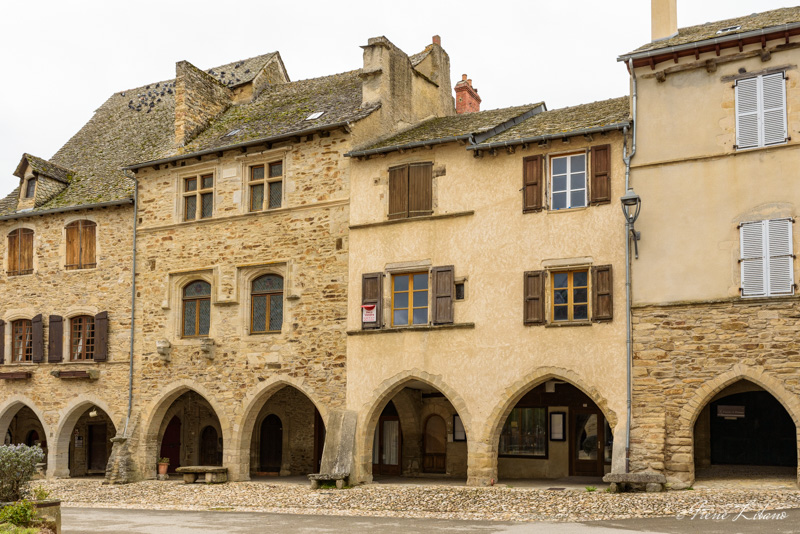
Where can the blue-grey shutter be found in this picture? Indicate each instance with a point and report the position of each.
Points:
(55, 342)
(781, 261)
(773, 90)
(752, 259)
(747, 120)
(101, 337)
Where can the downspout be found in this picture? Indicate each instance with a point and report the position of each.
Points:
(133, 298)
(628, 227)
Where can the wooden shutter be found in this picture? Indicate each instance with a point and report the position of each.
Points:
(443, 291)
(532, 184)
(747, 134)
(38, 339)
(2, 341)
(88, 235)
(398, 192)
(26, 251)
(601, 174)
(55, 342)
(73, 246)
(534, 297)
(602, 293)
(781, 261)
(13, 252)
(372, 294)
(752, 259)
(420, 189)
(773, 101)
(101, 337)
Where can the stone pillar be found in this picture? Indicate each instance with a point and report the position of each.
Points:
(619, 453)
(481, 463)
(120, 466)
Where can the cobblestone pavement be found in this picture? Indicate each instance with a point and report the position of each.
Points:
(442, 502)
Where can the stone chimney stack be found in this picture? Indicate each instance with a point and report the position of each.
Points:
(467, 99)
(663, 19)
(199, 97)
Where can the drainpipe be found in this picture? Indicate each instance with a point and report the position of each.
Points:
(133, 297)
(628, 227)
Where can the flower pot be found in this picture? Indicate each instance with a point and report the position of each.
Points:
(162, 469)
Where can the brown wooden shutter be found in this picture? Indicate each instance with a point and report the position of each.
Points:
(88, 236)
(532, 184)
(13, 252)
(601, 174)
(55, 341)
(420, 189)
(602, 293)
(398, 192)
(101, 337)
(443, 290)
(38, 339)
(534, 297)
(2, 341)
(73, 246)
(372, 294)
(26, 252)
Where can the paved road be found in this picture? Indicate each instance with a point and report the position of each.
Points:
(94, 520)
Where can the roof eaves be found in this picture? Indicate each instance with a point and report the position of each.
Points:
(31, 213)
(715, 40)
(503, 126)
(560, 135)
(408, 146)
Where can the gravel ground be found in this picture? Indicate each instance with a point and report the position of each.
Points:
(444, 502)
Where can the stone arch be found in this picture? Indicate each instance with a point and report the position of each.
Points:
(14, 404)
(385, 392)
(239, 459)
(58, 459)
(157, 411)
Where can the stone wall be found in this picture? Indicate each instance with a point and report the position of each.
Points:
(199, 97)
(685, 354)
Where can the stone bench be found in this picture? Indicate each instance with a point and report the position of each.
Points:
(323, 477)
(213, 474)
(650, 482)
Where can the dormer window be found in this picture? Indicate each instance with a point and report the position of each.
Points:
(30, 188)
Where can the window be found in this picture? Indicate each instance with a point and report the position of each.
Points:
(266, 192)
(30, 188)
(568, 182)
(196, 309)
(525, 433)
(81, 338)
(22, 341)
(20, 252)
(81, 245)
(198, 195)
(411, 190)
(266, 313)
(766, 258)
(761, 111)
(409, 299)
(570, 296)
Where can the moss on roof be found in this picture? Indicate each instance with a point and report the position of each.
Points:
(45, 168)
(242, 71)
(702, 32)
(566, 120)
(448, 127)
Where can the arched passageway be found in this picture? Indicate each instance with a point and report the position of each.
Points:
(89, 442)
(190, 433)
(24, 427)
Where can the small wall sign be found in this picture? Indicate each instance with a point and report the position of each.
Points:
(557, 426)
(369, 313)
(730, 412)
(78, 442)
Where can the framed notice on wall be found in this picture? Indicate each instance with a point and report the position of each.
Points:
(368, 313)
(557, 427)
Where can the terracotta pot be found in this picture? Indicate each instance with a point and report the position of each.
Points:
(162, 469)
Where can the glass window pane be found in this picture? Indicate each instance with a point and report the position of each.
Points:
(401, 300)
(257, 173)
(190, 208)
(276, 312)
(400, 317)
(579, 278)
(559, 165)
(580, 311)
(420, 299)
(577, 181)
(208, 181)
(560, 313)
(586, 436)
(197, 289)
(259, 313)
(421, 281)
(204, 311)
(421, 316)
(275, 194)
(560, 296)
(560, 279)
(276, 169)
(401, 282)
(560, 183)
(208, 205)
(578, 199)
(579, 295)
(256, 197)
(270, 282)
(189, 318)
(559, 201)
(539, 432)
(578, 163)
(190, 184)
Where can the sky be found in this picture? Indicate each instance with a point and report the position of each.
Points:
(65, 58)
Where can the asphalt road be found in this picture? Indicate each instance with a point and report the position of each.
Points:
(93, 520)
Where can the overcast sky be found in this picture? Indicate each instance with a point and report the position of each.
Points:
(64, 58)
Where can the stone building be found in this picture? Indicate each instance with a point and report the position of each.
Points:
(715, 314)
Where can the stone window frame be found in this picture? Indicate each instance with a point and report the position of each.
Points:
(27, 193)
(35, 257)
(11, 316)
(189, 172)
(247, 161)
(196, 300)
(246, 275)
(71, 313)
(62, 248)
(173, 304)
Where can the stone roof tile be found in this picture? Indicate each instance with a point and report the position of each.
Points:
(46, 168)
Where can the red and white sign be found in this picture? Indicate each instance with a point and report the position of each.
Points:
(368, 313)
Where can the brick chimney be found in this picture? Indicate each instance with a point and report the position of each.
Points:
(467, 99)
(663, 19)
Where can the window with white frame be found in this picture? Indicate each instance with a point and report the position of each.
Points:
(766, 258)
(761, 111)
(568, 181)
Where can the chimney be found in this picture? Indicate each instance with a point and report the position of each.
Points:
(199, 97)
(437, 40)
(467, 99)
(663, 19)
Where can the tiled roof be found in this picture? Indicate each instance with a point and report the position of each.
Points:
(567, 120)
(283, 109)
(450, 127)
(702, 32)
(46, 168)
(416, 59)
(9, 203)
(242, 71)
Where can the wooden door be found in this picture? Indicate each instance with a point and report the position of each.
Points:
(271, 451)
(319, 440)
(387, 446)
(97, 448)
(586, 443)
(435, 445)
(209, 447)
(171, 444)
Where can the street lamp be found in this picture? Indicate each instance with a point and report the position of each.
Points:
(631, 205)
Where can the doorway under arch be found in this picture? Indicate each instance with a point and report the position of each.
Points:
(190, 433)
(90, 443)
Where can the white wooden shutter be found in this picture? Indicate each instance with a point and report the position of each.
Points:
(747, 108)
(781, 260)
(751, 241)
(773, 88)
